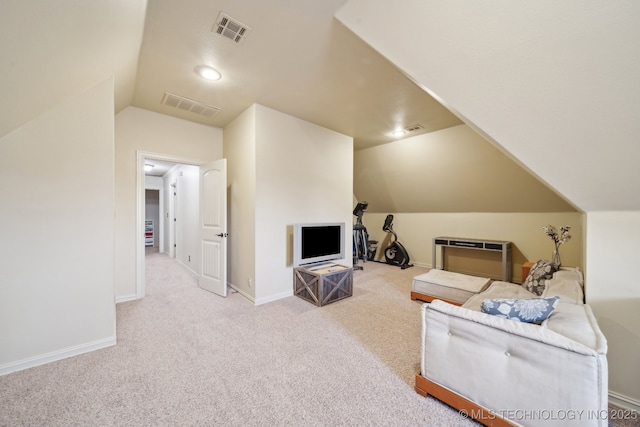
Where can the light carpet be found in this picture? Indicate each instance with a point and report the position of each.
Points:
(186, 357)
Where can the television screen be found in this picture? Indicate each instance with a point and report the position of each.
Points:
(315, 243)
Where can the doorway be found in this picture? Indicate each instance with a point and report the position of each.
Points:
(153, 223)
(143, 158)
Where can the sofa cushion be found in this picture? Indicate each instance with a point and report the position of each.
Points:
(530, 310)
(577, 323)
(448, 285)
(498, 290)
(569, 273)
(569, 290)
(541, 271)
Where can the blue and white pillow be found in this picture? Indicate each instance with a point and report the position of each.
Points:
(530, 310)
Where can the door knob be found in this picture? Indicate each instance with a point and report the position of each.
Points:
(222, 235)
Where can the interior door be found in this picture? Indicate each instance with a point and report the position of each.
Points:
(213, 227)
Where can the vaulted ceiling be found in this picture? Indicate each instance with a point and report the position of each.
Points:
(554, 84)
(295, 57)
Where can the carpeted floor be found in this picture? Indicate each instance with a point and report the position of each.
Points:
(186, 357)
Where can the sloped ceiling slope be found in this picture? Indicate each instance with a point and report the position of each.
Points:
(52, 50)
(452, 170)
(554, 83)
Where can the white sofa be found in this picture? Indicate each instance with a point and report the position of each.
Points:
(504, 372)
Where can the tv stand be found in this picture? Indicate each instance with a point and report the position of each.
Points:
(503, 247)
(316, 267)
(323, 284)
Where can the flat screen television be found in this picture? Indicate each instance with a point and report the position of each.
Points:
(318, 243)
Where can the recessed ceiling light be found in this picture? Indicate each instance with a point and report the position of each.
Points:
(208, 73)
(148, 167)
(398, 133)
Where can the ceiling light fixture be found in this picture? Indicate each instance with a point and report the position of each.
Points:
(398, 133)
(148, 167)
(208, 73)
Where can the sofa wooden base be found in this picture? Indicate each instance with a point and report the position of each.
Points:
(467, 408)
(428, 298)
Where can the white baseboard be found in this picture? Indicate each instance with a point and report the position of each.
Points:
(188, 268)
(261, 300)
(275, 297)
(382, 261)
(126, 298)
(623, 401)
(56, 355)
(420, 264)
(242, 293)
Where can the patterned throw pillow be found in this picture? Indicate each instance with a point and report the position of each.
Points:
(531, 310)
(541, 271)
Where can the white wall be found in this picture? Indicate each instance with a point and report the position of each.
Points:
(137, 129)
(614, 294)
(304, 173)
(188, 245)
(169, 215)
(240, 152)
(81, 43)
(282, 171)
(57, 245)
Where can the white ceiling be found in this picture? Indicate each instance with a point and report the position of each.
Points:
(553, 83)
(296, 58)
(158, 167)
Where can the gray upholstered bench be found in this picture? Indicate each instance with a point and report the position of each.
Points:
(454, 288)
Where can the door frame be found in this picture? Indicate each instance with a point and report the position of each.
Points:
(159, 227)
(141, 158)
(173, 203)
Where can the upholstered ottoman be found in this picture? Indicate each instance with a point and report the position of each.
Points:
(454, 288)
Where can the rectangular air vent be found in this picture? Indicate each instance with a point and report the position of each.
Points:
(414, 128)
(230, 28)
(190, 105)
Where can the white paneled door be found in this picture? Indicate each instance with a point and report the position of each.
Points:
(213, 227)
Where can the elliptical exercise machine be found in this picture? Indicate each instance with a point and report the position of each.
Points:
(395, 253)
(360, 236)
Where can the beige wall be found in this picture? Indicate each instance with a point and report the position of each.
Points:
(137, 129)
(452, 170)
(455, 183)
(529, 243)
(56, 280)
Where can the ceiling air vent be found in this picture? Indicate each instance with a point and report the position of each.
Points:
(414, 128)
(230, 28)
(190, 105)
